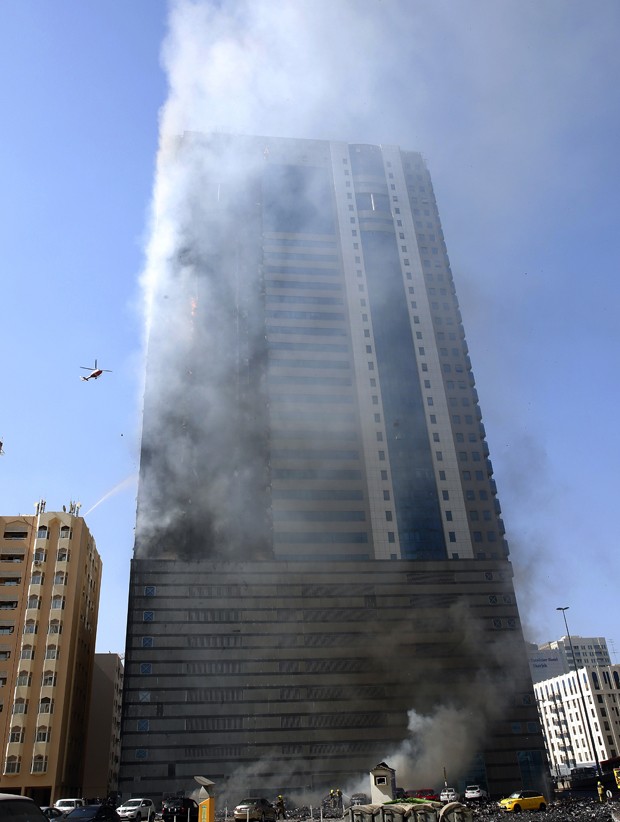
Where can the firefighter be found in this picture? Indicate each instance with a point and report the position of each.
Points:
(280, 807)
(600, 790)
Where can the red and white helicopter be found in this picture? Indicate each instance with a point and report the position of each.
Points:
(95, 372)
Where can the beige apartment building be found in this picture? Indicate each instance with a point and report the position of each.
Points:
(50, 578)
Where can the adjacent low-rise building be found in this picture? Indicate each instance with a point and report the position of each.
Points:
(50, 577)
(568, 714)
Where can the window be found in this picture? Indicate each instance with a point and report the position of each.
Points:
(17, 734)
(43, 734)
(24, 678)
(62, 555)
(27, 652)
(58, 602)
(30, 627)
(42, 532)
(65, 532)
(34, 601)
(51, 652)
(60, 578)
(20, 706)
(46, 705)
(388, 516)
(55, 627)
(12, 764)
(39, 764)
(49, 678)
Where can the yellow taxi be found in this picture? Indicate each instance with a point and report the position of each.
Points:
(523, 801)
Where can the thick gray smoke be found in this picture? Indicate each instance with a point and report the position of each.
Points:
(242, 68)
(203, 458)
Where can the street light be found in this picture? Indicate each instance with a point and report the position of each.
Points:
(583, 699)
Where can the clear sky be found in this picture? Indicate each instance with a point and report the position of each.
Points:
(515, 106)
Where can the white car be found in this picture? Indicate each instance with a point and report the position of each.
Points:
(449, 795)
(475, 792)
(69, 804)
(137, 809)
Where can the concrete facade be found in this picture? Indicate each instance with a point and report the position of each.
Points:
(588, 651)
(318, 535)
(564, 723)
(50, 577)
(103, 747)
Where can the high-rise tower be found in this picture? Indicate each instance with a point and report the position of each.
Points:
(319, 545)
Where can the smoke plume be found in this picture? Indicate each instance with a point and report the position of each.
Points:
(242, 68)
(264, 68)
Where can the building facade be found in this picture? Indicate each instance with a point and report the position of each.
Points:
(50, 577)
(585, 651)
(103, 747)
(312, 445)
(562, 707)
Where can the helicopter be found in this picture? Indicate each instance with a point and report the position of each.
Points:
(95, 372)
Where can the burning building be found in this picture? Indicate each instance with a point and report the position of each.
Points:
(320, 578)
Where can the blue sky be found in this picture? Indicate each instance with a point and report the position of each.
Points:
(514, 104)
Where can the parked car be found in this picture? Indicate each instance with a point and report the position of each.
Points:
(51, 812)
(523, 801)
(475, 792)
(93, 813)
(137, 809)
(424, 793)
(14, 808)
(69, 804)
(255, 810)
(181, 807)
(449, 795)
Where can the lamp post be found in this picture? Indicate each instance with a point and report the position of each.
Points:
(583, 698)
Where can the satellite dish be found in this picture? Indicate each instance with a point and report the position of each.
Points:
(202, 780)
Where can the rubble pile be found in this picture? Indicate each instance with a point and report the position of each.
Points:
(564, 810)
